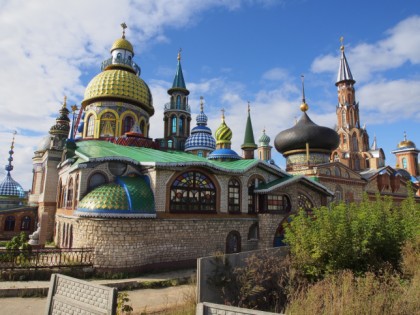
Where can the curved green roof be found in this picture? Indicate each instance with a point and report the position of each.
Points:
(127, 197)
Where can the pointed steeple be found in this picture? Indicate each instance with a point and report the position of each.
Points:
(179, 81)
(344, 73)
(249, 145)
(374, 144)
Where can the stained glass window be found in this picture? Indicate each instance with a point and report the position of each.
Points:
(305, 203)
(90, 126)
(193, 192)
(233, 196)
(107, 125)
(278, 203)
(127, 124)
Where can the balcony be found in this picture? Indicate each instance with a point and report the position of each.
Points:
(121, 61)
(173, 106)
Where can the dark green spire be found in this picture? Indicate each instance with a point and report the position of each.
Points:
(249, 142)
(179, 81)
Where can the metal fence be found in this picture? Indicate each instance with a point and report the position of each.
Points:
(46, 258)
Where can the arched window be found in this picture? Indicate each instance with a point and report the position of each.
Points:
(119, 56)
(253, 198)
(76, 191)
(278, 204)
(97, 180)
(338, 195)
(193, 191)
(178, 102)
(200, 153)
(253, 232)
(233, 242)
(90, 132)
(170, 144)
(343, 118)
(357, 163)
(337, 171)
(354, 143)
(173, 124)
(107, 128)
(43, 174)
(181, 125)
(70, 190)
(128, 123)
(9, 224)
(404, 163)
(143, 130)
(25, 225)
(233, 196)
(336, 157)
(60, 195)
(305, 203)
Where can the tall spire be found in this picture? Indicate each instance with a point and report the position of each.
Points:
(303, 107)
(249, 145)
(179, 81)
(374, 144)
(9, 167)
(344, 73)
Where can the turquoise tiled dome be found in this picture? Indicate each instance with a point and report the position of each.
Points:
(127, 197)
(9, 187)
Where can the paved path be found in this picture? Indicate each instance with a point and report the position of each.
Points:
(140, 300)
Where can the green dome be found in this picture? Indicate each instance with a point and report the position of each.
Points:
(120, 85)
(264, 139)
(126, 198)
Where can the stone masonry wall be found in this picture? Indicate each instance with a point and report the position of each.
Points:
(127, 244)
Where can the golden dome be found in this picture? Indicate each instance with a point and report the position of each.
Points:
(406, 144)
(120, 84)
(122, 43)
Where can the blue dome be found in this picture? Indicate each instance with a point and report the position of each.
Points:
(9, 187)
(201, 137)
(225, 154)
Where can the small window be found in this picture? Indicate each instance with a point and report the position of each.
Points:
(128, 123)
(233, 242)
(233, 196)
(200, 153)
(173, 129)
(278, 203)
(404, 163)
(69, 202)
(90, 126)
(119, 56)
(26, 224)
(9, 224)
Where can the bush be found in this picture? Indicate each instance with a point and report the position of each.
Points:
(358, 237)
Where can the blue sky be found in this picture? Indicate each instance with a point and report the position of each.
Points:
(232, 52)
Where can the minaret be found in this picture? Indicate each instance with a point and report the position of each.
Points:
(249, 146)
(354, 139)
(60, 131)
(407, 156)
(177, 114)
(264, 147)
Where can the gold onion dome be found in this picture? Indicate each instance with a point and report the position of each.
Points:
(223, 133)
(119, 84)
(406, 143)
(122, 43)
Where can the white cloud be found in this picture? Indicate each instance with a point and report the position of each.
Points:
(275, 74)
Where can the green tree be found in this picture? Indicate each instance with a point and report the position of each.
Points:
(365, 236)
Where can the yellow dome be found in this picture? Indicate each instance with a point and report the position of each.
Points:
(120, 84)
(122, 43)
(406, 144)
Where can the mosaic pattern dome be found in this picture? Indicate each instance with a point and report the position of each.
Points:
(223, 133)
(128, 197)
(201, 137)
(9, 187)
(122, 43)
(306, 131)
(264, 140)
(119, 84)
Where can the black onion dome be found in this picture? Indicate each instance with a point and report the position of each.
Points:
(306, 131)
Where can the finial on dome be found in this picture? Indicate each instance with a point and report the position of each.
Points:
(9, 167)
(65, 101)
(303, 107)
(179, 54)
(405, 136)
(223, 115)
(124, 26)
(342, 45)
(201, 103)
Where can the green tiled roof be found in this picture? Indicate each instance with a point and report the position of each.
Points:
(94, 150)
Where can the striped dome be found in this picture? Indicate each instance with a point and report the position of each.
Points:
(200, 139)
(264, 140)
(223, 133)
(128, 197)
